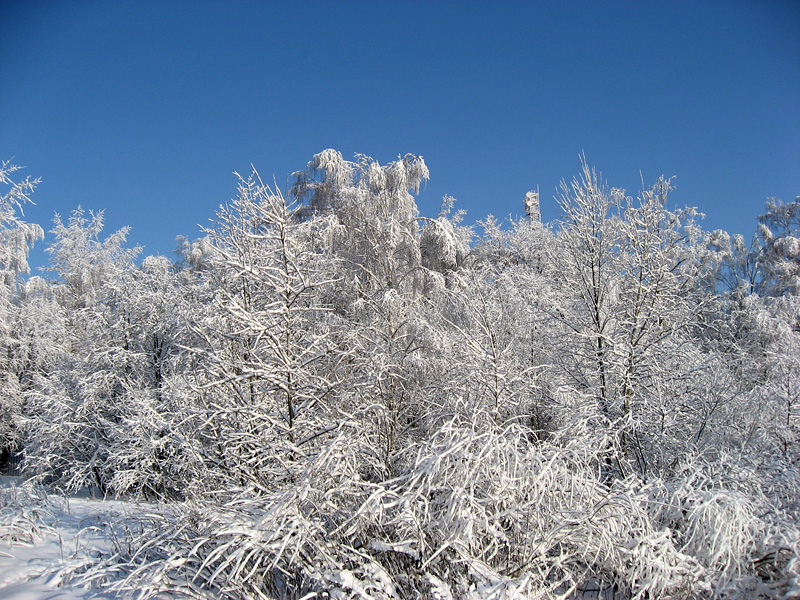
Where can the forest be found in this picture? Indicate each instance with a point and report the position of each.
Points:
(328, 395)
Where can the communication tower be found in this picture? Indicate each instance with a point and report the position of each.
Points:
(532, 206)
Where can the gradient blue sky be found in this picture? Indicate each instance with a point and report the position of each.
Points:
(145, 109)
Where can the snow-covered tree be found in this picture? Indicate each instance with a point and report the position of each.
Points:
(72, 408)
(16, 238)
(152, 450)
(779, 231)
(260, 385)
(491, 319)
(630, 270)
(376, 226)
(738, 266)
(383, 285)
(770, 265)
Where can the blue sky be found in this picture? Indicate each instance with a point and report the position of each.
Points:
(145, 109)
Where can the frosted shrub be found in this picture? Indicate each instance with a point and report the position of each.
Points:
(741, 544)
(475, 514)
(305, 537)
(490, 509)
(24, 515)
(721, 530)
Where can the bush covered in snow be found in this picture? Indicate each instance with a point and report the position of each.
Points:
(26, 514)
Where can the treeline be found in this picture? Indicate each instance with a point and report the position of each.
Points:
(334, 394)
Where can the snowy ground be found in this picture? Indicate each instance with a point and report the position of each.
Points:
(74, 530)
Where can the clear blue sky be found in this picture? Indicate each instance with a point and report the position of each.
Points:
(145, 109)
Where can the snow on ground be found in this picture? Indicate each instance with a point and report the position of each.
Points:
(73, 531)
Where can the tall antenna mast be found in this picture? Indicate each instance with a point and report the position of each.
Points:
(532, 209)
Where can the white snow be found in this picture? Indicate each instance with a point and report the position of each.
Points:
(75, 532)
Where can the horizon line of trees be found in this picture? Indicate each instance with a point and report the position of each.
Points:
(333, 392)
